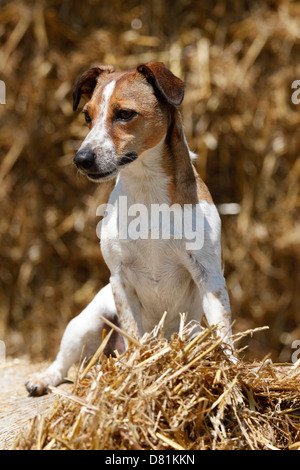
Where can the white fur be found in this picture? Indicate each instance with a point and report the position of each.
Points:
(98, 138)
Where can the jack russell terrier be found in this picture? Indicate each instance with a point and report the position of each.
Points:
(136, 132)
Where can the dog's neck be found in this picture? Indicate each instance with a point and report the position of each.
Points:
(145, 181)
(164, 173)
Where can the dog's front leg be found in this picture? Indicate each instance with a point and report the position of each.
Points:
(216, 307)
(127, 305)
(81, 338)
(213, 293)
(215, 302)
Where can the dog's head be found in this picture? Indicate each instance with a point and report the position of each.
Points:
(127, 113)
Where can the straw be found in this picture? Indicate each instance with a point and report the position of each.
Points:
(197, 400)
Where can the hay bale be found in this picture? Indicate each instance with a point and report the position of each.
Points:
(16, 407)
(185, 394)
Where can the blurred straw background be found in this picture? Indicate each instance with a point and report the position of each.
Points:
(239, 59)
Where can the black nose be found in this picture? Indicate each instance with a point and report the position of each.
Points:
(85, 159)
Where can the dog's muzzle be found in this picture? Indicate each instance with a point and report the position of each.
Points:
(86, 161)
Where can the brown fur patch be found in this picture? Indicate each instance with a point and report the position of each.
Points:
(187, 187)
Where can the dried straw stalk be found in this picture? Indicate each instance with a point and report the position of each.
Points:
(187, 394)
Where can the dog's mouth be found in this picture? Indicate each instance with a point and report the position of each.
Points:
(104, 176)
(128, 158)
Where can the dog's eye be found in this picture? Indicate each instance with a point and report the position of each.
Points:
(87, 117)
(126, 114)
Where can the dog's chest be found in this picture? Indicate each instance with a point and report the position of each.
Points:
(142, 259)
(156, 275)
(151, 263)
(145, 260)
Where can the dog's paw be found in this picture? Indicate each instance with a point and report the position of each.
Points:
(38, 384)
(230, 353)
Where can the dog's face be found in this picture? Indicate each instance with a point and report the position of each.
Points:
(127, 113)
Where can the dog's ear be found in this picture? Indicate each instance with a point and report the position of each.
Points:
(87, 82)
(164, 82)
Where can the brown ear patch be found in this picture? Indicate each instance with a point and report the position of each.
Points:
(87, 82)
(165, 83)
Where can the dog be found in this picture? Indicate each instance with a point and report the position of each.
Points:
(136, 134)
